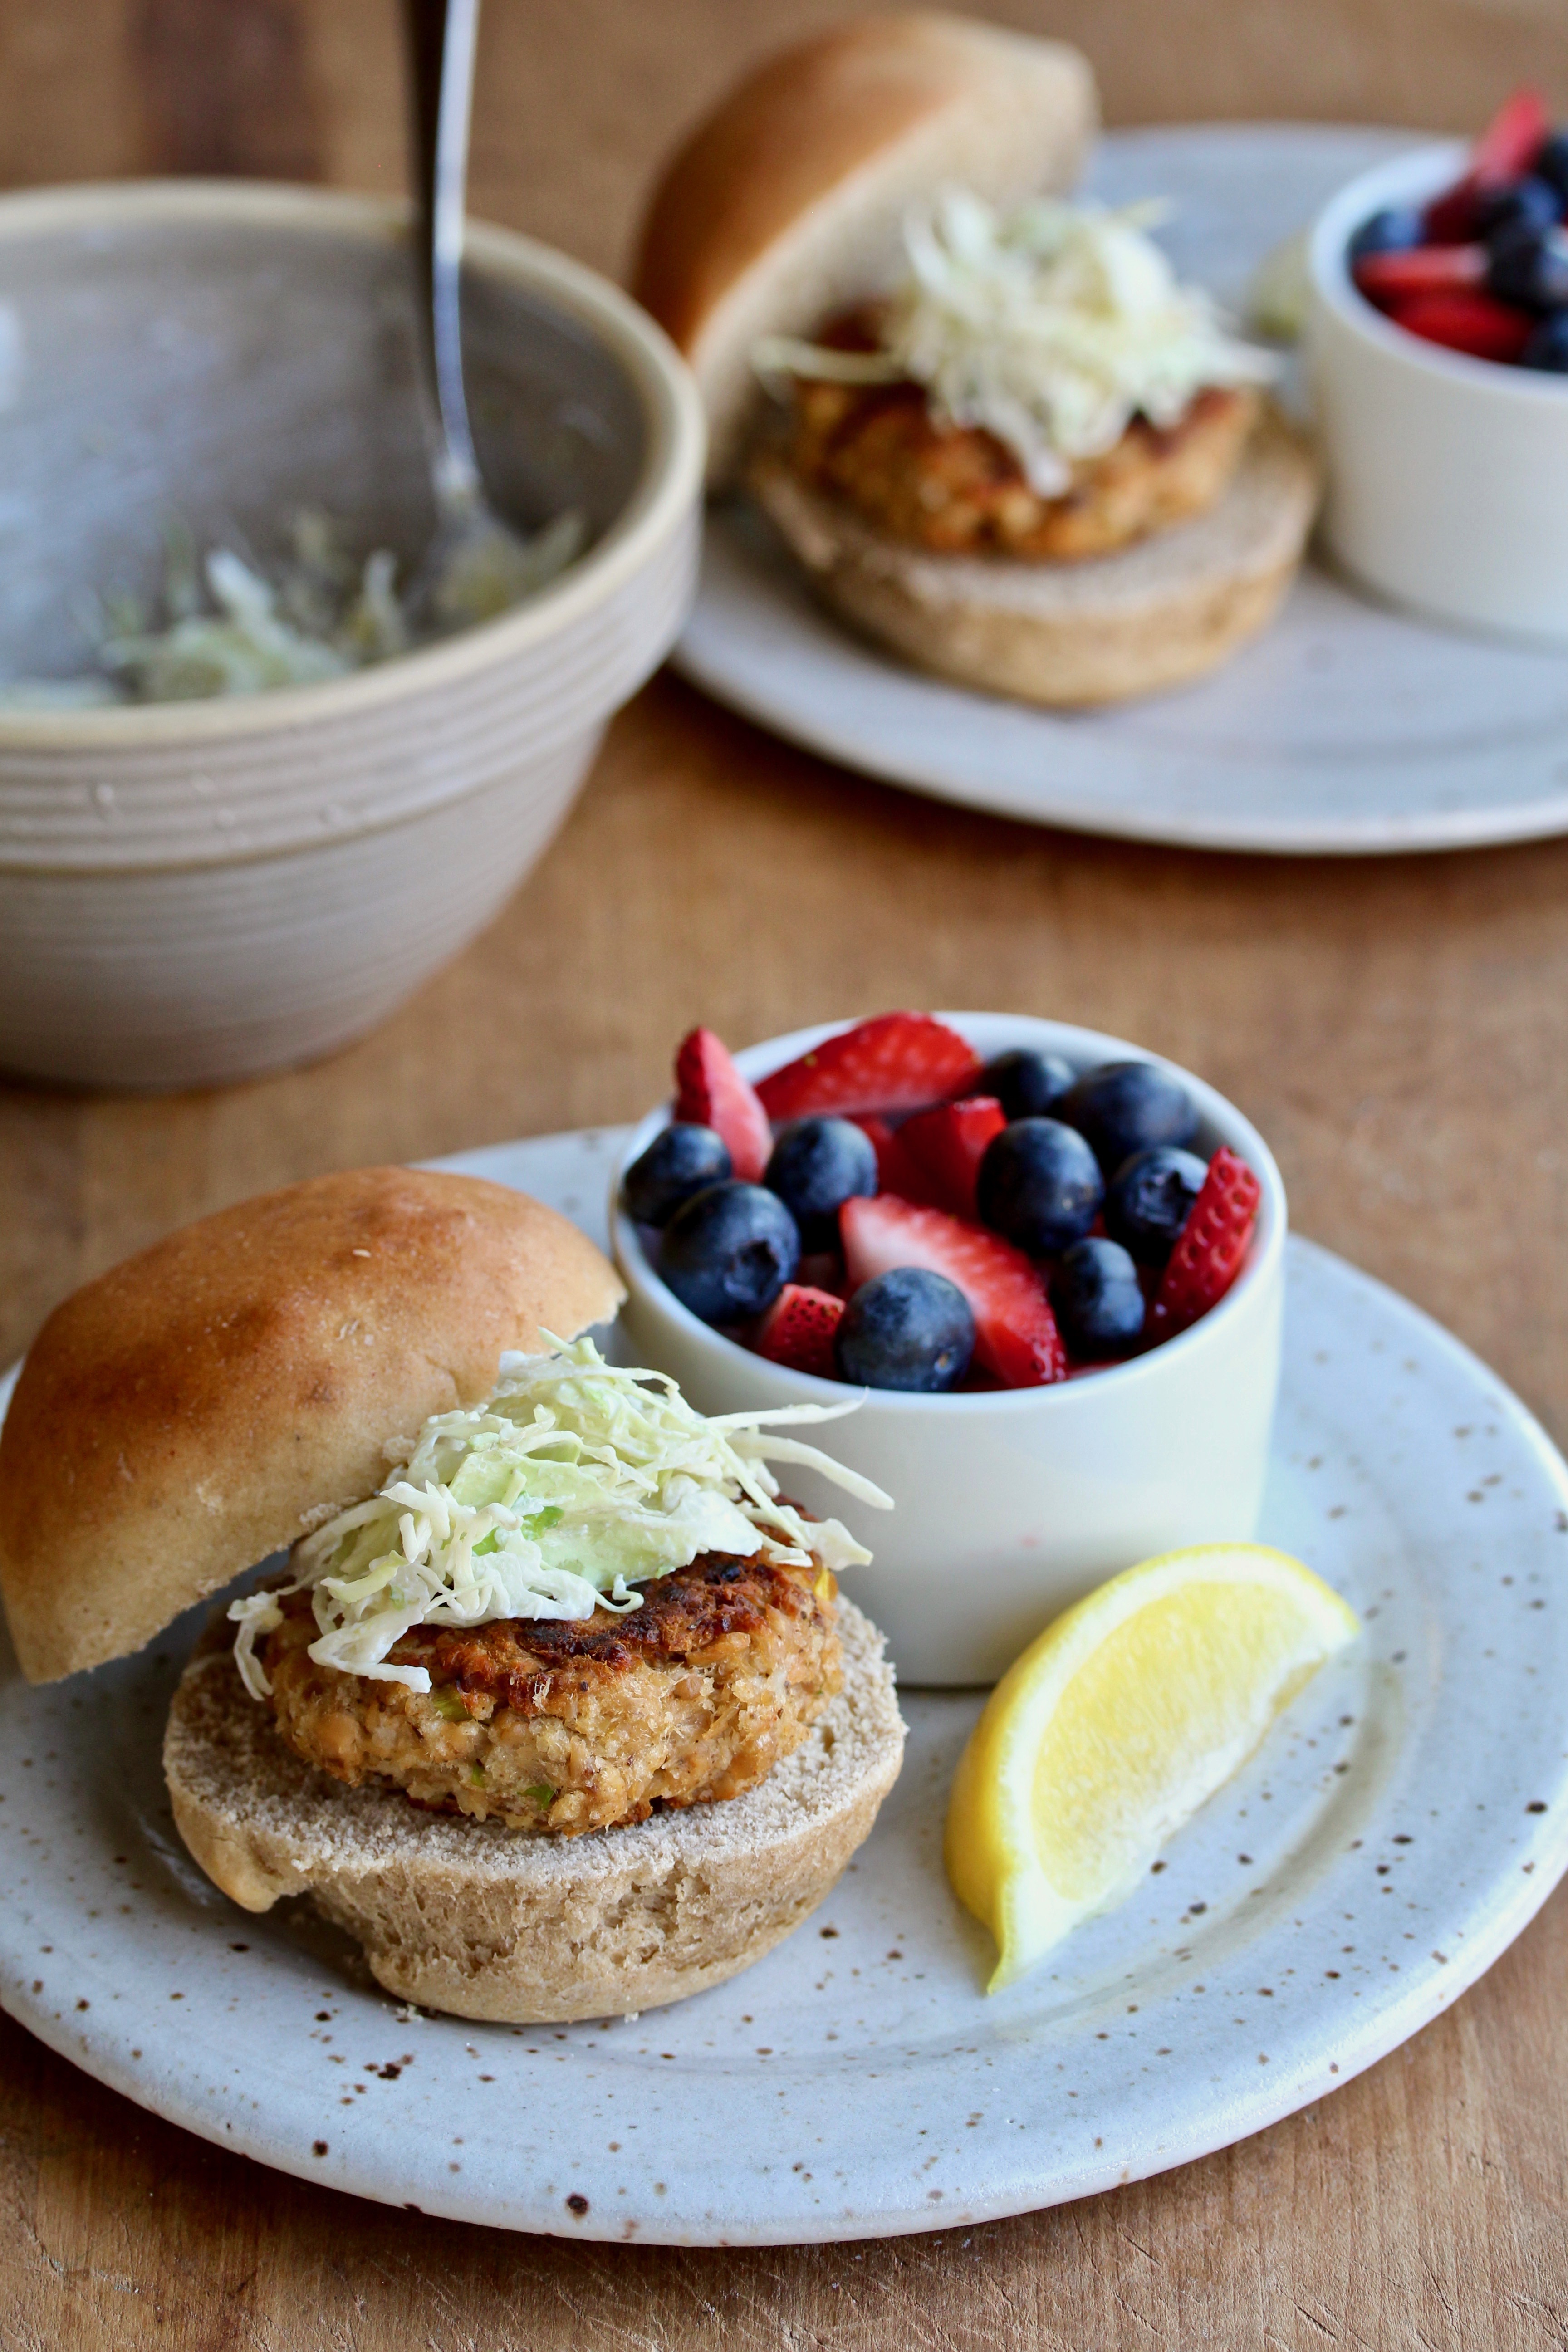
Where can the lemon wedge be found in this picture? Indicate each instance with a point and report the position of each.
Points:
(1117, 1723)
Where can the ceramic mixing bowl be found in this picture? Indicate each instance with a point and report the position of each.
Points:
(199, 890)
(1010, 1504)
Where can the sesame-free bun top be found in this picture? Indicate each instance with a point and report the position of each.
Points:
(206, 1402)
(787, 200)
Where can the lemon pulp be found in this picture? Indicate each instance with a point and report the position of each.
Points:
(1117, 1723)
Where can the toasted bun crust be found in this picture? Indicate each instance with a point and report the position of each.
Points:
(468, 1917)
(1151, 615)
(785, 203)
(202, 1404)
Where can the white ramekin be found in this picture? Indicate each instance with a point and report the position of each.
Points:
(1011, 1504)
(1447, 476)
(202, 890)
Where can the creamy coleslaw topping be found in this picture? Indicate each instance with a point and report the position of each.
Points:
(573, 1482)
(1051, 328)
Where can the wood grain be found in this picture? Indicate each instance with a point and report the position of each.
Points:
(1399, 1029)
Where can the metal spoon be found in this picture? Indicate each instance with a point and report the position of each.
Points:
(477, 566)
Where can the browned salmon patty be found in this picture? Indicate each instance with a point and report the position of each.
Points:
(561, 1728)
(958, 490)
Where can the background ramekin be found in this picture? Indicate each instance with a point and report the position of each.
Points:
(1447, 476)
(199, 891)
(1011, 1504)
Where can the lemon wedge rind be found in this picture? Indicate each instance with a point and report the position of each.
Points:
(1117, 1723)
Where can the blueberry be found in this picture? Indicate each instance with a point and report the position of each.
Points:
(1026, 1082)
(1529, 267)
(1038, 1185)
(728, 1251)
(1150, 1198)
(907, 1329)
(1547, 346)
(1098, 1299)
(1552, 164)
(1530, 203)
(1124, 1106)
(1394, 230)
(817, 1164)
(680, 1160)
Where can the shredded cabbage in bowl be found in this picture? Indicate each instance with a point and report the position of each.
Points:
(1051, 329)
(573, 1481)
(227, 628)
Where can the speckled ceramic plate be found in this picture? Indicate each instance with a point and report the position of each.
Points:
(1397, 1830)
(1348, 729)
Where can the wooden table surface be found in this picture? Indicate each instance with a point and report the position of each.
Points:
(1398, 1028)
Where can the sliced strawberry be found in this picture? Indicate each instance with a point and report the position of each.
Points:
(1210, 1248)
(900, 1061)
(711, 1091)
(1475, 324)
(1016, 1332)
(1505, 151)
(896, 1170)
(948, 1144)
(798, 1329)
(1424, 269)
(1512, 139)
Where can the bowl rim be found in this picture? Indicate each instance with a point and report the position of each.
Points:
(1088, 1047)
(1416, 173)
(668, 484)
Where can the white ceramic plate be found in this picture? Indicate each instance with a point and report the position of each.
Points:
(1398, 1829)
(1349, 729)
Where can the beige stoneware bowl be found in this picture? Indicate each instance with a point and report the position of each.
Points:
(202, 890)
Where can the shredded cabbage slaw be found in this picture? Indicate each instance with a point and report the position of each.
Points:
(226, 628)
(1051, 329)
(571, 1481)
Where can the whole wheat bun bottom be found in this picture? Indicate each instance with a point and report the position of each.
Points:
(1151, 615)
(468, 1917)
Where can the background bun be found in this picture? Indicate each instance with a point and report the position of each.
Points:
(785, 203)
(468, 1916)
(205, 1403)
(1153, 615)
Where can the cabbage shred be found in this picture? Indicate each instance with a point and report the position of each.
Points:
(573, 1480)
(227, 628)
(1050, 329)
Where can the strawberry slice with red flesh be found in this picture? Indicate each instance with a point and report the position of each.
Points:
(1512, 139)
(896, 1170)
(710, 1092)
(1016, 1334)
(948, 1144)
(1424, 269)
(1210, 1247)
(1475, 324)
(1504, 152)
(899, 1061)
(798, 1329)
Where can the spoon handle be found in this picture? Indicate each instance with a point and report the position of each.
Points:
(440, 36)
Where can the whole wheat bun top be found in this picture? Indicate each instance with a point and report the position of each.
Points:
(785, 203)
(205, 1402)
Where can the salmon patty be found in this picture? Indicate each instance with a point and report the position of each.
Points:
(559, 1728)
(958, 490)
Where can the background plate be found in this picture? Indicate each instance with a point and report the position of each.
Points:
(1402, 1823)
(1348, 729)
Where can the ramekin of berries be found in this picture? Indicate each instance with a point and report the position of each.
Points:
(1437, 343)
(1040, 1271)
